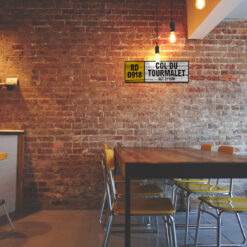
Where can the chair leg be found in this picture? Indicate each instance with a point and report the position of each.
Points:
(10, 221)
(169, 231)
(165, 185)
(102, 207)
(166, 225)
(174, 195)
(198, 224)
(149, 221)
(108, 230)
(156, 223)
(219, 230)
(241, 228)
(174, 235)
(187, 218)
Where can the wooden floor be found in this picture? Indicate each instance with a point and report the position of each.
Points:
(74, 228)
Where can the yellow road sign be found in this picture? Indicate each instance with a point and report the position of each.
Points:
(134, 71)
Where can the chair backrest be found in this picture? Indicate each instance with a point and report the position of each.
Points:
(3, 156)
(104, 146)
(109, 160)
(206, 147)
(226, 149)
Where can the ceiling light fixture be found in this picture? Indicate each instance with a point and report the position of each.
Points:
(157, 49)
(172, 37)
(200, 4)
(157, 53)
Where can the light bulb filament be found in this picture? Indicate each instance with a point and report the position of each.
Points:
(172, 37)
(200, 4)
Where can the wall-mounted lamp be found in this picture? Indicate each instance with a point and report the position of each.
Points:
(10, 83)
(172, 37)
(200, 4)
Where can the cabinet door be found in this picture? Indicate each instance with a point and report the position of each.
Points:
(8, 171)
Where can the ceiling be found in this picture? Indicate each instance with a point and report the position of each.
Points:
(201, 22)
(240, 12)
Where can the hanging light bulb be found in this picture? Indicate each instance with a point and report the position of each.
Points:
(200, 4)
(172, 37)
(157, 53)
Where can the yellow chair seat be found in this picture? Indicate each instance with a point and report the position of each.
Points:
(120, 179)
(3, 156)
(226, 203)
(193, 180)
(140, 190)
(201, 188)
(145, 206)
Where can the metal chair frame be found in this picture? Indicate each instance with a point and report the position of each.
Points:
(146, 225)
(224, 149)
(149, 227)
(168, 219)
(218, 217)
(102, 208)
(188, 199)
(2, 204)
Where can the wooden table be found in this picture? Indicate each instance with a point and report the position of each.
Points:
(174, 163)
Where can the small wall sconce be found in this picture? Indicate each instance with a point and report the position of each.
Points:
(10, 83)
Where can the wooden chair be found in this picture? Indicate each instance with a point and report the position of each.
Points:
(223, 204)
(4, 156)
(139, 206)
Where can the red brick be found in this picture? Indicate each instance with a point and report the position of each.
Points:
(69, 57)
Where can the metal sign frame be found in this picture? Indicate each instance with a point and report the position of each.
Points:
(156, 72)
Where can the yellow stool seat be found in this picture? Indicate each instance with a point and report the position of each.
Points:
(140, 190)
(193, 180)
(120, 179)
(145, 206)
(201, 188)
(3, 156)
(226, 203)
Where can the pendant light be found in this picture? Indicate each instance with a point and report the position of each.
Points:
(200, 4)
(172, 37)
(157, 49)
(157, 53)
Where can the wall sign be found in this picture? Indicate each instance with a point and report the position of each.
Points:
(162, 72)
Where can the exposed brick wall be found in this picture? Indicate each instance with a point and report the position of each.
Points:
(69, 56)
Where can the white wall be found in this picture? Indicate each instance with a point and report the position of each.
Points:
(8, 170)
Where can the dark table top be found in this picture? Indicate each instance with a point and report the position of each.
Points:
(179, 162)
